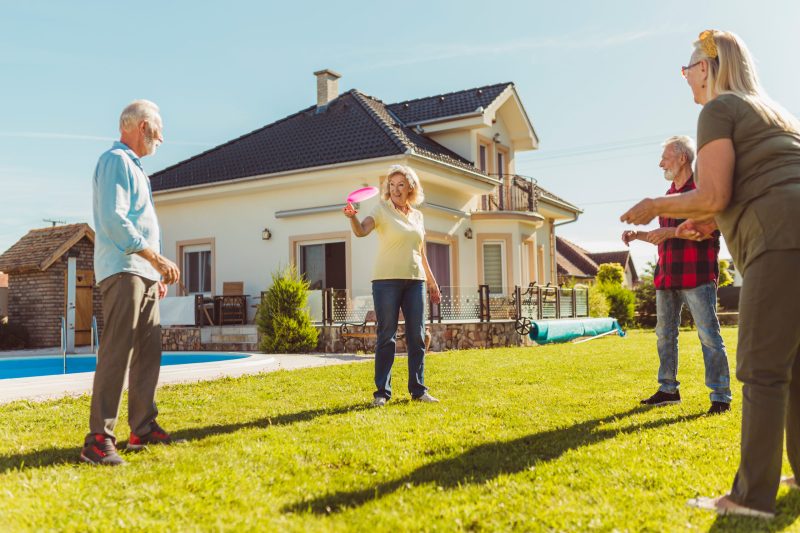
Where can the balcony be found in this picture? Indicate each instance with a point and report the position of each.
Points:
(515, 193)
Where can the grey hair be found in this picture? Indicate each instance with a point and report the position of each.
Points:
(683, 144)
(415, 196)
(136, 112)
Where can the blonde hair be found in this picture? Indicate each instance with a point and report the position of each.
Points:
(731, 70)
(415, 194)
(136, 112)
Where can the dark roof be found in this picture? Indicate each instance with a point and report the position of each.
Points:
(547, 195)
(572, 260)
(447, 105)
(40, 248)
(352, 127)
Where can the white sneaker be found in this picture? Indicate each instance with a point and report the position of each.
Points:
(379, 401)
(426, 398)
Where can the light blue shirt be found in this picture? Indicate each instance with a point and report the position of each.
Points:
(124, 215)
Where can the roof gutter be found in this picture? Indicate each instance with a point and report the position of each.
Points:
(292, 172)
(474, 175)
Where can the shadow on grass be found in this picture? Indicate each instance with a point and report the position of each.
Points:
(787, 513)
(487, 461)
(53, 456)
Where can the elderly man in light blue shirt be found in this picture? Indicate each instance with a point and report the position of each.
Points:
(132, 275)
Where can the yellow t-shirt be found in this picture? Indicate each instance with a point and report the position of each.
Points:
(400, 241)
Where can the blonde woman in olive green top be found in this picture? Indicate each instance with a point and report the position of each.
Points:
(748, 170)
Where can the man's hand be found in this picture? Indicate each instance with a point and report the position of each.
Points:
(168, 270)
(657, 236)
(162, 290)
(628, 236)
(696, 230)
(642, 213)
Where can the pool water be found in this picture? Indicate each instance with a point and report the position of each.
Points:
(49, 365)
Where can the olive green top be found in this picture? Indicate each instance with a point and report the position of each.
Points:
(764, 211)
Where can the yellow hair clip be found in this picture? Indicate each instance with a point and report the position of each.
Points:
(708, 45)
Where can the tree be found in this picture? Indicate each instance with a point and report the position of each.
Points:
(610, 273)
(283, 318)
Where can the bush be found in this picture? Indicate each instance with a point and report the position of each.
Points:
(725, 276)
(13, 336)
(610, 273)
(598, 304)
(646, 298)
(620, 303)
(283, 318)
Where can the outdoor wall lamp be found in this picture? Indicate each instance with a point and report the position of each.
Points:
(266, 235)
(496, 138)
(468, 233)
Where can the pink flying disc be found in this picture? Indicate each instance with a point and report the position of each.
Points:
(362, 194)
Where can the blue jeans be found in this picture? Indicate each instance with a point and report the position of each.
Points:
(702, 303)
(389, 296)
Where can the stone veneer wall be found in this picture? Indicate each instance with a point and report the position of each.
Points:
(449, 336)
(444, 336)
(181, 340)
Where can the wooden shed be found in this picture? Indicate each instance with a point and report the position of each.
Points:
(37, 268)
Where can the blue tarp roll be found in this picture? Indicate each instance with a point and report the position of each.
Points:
(547, 331)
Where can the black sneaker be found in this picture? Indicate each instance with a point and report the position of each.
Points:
(663, 398)
(100, 449)
(157, 435)
(718, 408)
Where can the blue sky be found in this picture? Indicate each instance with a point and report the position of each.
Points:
(601, 82)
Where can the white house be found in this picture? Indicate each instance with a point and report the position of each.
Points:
(271, 197)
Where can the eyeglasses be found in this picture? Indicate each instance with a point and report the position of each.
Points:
(684, 70)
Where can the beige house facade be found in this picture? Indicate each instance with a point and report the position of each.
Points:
(274, 197)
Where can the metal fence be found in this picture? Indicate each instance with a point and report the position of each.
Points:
(468, 304)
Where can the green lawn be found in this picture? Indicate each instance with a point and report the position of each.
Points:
(547, 438)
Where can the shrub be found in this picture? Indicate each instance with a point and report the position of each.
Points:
(13, 336)
(725, 277)
(283, 318)
(598, 304)
(620, 303)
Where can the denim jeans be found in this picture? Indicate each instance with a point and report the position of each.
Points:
(702, 303)
(389, 296)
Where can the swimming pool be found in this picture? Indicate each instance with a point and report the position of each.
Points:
(49, 365)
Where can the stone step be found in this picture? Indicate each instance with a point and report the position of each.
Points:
(230, 347)
(222, 339)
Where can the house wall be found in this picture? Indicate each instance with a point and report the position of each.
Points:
(3, 302)
(37, 299)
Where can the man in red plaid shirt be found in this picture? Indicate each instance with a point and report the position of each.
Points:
(686, 273)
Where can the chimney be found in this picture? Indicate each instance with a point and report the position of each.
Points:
(327, 86)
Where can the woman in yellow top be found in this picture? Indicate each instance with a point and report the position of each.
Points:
(398, 281)
(748, 183)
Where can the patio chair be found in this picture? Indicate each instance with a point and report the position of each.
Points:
(231, 307)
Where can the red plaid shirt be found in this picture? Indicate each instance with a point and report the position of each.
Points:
(685, 264)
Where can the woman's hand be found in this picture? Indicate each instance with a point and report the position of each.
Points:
(642, 213)
(433, 291)
(696, 230)
(349, 211)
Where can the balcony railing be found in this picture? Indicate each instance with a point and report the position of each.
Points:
(515, 193)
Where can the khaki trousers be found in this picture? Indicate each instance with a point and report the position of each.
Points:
(769, 367)
(131, 344)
